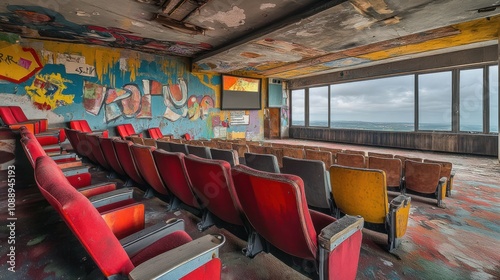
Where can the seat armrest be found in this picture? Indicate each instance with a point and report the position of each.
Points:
(398, 202)
(29, 126)
(345, 235)
(140, 240)
(97, 189)
(180, 261)
(335, 233)
(441, 192)
(71, 171)
(65, 156)
(112, 197)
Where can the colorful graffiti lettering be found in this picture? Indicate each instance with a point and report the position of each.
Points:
(131, 102)
(46, 91)
(48, 24)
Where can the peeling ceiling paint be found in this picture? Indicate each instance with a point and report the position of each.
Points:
(285, 38)
(265, 6)
(232, 18)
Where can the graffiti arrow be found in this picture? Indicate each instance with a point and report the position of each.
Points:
(17, 64)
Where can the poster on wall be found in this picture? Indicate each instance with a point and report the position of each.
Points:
(93, 97)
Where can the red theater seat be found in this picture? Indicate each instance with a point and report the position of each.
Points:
(211, 181)
(155, 133)
(83, 125)
(108, 150)
(145, 254)
(125, 130)
(275, 206)
(173, 172)
(43, 123)
(143, 158)
(33, 126)
(124, 155)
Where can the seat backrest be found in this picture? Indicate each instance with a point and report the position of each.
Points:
(275, 206)
(352, 160)
(129, 128)
(18, 114)
(172, 170)
(334, 152)
(224, 145)
(446, 167)
(315, 177)
(108, 149)
(85, 146)
(97, 150)
(255, 149)
(149, 142)
(210, 144)
(33, 149)
(143, 158)
(85, 126)
(164, 145)
(7, 116)
(178, 148)
(155, 132)
(73, 139)
(230, 156)
(262, 162)
(360, 191)
(380, 155)
(422, 177)
(324, 156)
(203, 152)
(124, 155)
(278, 153)
(293, 152)
(76, 125)
(354, 152)
(392, 167)
(83, 219)
(135, 139)
(212, 182)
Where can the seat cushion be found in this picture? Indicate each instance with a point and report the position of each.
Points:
(162, 245)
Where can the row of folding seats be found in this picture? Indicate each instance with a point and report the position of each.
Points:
(207, 185)
(118, 222)
(394, 165)
(159, 251)
(14, 118)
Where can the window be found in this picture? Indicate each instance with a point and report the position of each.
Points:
(318, 106)
(298, 106)
(471, 100)
(493, 80)
(434, 101)
(380, 104)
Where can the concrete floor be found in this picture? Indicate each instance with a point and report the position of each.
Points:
(459, 242)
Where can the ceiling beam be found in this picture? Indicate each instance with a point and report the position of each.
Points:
(282, 22)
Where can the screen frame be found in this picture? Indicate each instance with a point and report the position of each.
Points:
(226, 94)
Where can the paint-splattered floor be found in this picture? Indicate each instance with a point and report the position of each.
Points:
(459, 242)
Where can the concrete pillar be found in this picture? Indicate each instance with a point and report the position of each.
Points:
(498, 61)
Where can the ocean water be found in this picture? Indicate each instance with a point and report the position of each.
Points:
(391, 126)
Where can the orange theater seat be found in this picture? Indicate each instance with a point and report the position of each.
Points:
(83, 125)
(125, 130)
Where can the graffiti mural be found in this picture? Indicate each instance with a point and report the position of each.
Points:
(178, 104)
(46, 91)
(130, 102)
(40, 22)
(93, 96)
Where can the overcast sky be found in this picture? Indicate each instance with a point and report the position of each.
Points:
(392, 99)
